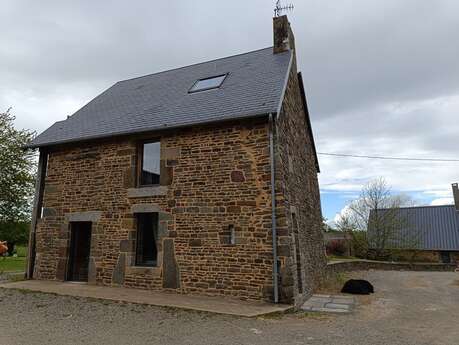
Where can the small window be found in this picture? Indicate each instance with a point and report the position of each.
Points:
(228, 236)
(150, 166)
(147, 233)
(208, 83)
(232, 234)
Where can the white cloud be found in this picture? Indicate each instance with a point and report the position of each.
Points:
(345, 211)
(423, 129)
(442, 201)
(446, 193)
(366, 93)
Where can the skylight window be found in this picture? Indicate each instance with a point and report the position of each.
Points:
(208, 83)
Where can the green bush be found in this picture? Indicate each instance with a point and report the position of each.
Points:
(360, 244)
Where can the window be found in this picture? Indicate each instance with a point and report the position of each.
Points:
(228, 236)
(232, 235)
(147, 233)
(208, 83)
(150, 162)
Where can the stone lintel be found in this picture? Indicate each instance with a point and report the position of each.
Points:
(89, 216)
(145, 208)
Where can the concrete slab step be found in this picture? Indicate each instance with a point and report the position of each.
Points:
(330, 304)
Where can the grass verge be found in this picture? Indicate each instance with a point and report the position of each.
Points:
(14, 264)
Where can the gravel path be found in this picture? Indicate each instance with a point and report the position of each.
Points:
(418, 308)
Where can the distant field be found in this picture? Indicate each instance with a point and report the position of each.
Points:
(14, 264)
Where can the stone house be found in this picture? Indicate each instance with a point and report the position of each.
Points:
(425, 233)
(166, 182)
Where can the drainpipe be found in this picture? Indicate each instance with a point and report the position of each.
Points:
(273, 209)
(36, 212)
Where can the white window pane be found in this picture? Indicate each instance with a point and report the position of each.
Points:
(210, 83)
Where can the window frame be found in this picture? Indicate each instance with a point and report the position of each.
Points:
(228, 236)
(155, 216)
(140, 152)
(191, 91)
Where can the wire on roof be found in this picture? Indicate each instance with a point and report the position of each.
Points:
(343, 155)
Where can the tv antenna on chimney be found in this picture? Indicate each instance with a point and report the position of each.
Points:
(279, 8)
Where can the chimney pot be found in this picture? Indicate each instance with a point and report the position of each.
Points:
(456, 195)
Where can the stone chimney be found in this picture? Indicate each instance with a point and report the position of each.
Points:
(456, 195)
(283, 35)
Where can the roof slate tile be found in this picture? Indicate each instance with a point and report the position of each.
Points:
(157, 101)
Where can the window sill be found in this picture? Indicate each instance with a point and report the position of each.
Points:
(143, 270)
(147, 191)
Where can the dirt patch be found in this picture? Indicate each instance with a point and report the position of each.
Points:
(334, 284)
(374, 308)
(417, 283)
(365, 299)
(394, 314)
(314, 316)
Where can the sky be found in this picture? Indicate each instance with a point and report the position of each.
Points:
(381, 76)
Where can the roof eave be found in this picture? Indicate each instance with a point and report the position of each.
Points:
(284, 87)
(308, 120)
(143, 131)
(305, 105)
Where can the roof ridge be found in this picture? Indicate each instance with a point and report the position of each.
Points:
(422, 206)
(192, 65)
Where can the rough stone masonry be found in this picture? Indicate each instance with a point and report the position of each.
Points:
(213, 178)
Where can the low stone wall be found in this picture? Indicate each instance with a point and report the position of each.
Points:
(364, 265)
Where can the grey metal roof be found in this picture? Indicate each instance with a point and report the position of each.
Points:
(254, 86)
(433, 227)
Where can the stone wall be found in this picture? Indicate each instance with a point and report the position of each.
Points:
(299, 212)
(364, 265)
(211, 177)
(455, 258)
(415, 255)
(418, 255)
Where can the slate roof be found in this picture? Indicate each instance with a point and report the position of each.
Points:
(432, 227)
(254, 86)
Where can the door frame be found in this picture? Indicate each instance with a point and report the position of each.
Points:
(71, 250)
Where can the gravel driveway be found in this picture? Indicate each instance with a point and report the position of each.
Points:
(408, 308)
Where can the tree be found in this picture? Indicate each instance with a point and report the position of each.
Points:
(345, 222)
(376, 213)
(16, 182)
(325, 226)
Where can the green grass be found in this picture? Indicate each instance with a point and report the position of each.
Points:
(14, 264)
(337, 258)
(21, 251)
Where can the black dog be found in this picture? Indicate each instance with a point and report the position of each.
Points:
(358, 287)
